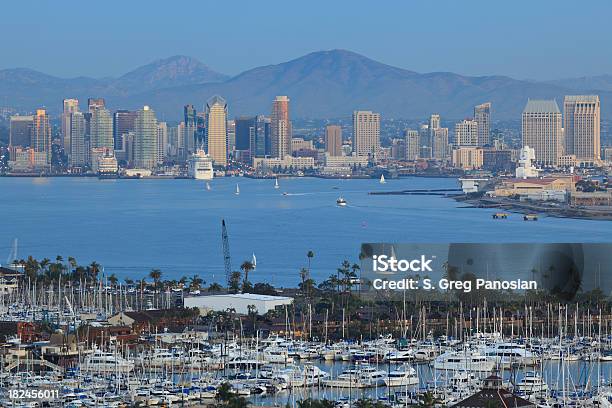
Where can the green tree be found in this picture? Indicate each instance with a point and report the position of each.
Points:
(246, 267)
(234, 282)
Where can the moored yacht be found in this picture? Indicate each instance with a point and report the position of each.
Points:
(402, 376)
(466, 360)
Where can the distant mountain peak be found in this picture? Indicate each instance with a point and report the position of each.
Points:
(177, 70)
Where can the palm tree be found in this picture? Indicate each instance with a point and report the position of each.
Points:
(214, 287)
(94, 269)
(309, 255)
(247, 266)
(155, 274)
(113, 280)
(195, 283)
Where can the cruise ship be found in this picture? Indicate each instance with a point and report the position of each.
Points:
(200, 166)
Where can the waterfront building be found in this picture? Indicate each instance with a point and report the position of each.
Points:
(216, 130)
(541, 130)
(412, 143)
(41, 134)
(482, 116)
(468, 158)
(145, 139)
(281, 131)
(582, 128)
(342, 165)
(70, 106)
(333, 140)
(366, 133)
(20, 130)
(25, 159)
(497, 161)
(466, 133)
(123, 123)
(286, 162)
(493, 394)
(101, 128)
(77, 148)
(103, 161)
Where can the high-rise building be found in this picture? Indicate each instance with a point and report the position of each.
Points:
(95, 103)
(41, 134)
(482, 116)
(145, 139)
(434, 122)
(216, 129)
(333, 140)
(190, 120)
(20, 132)
(261, 139)
(70, 106)
(78, 156)
(412, 143)
(466, 133)
(231, 137)
(541, 129)
(123, 123)
(366, 133)
(280, 127)
(245, 129)
(101, 129)
(425, 138)
(440, 145)
(582, 127)
(162, 141)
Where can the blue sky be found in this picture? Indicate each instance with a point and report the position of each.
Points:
(537, 39)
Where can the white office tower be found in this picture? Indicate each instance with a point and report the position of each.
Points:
(541, 128)
(366, 133)
(145, 139)
(466, 133)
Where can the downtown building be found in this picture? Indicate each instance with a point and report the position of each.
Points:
(70, 106)
(333, 140)
(41, 135)
(366, 133)
(582, 128)
(281, 131)
(482, 116)
(466, 133)
(145, 139)
(412, 143)
(542, 130)
(216, 130)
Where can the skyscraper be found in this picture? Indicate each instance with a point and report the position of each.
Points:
(78, 157)
(541, 129)
(412, 143)
(189, 137)
(245, 129)
(333, 140)
(366, 133)
(41, 134)
(434, 122)
(261, 142)
(95, 103)
(162, 141)
(280, 127)
(216, 129)
(482, 116)
(582, 127)
(145, 139)
(466, 133)
(440, 146)
(123, 123)
(101, 128)
(20, 132)
(70, 106)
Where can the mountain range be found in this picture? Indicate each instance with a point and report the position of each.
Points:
(324, 84)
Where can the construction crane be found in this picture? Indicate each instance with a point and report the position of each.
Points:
(226, 252)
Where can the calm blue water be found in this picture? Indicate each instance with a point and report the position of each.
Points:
(132, 226)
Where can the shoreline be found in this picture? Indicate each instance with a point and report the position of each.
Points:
(529, 208)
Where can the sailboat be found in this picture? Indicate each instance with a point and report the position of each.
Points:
(237, 190)
(254, 261)
(382, 179)
(276, 183)
(208, 186)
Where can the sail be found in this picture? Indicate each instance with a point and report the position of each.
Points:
(254, 261)
(382, 179)
(237, 189)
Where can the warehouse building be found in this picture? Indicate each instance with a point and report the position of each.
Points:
(239, 302)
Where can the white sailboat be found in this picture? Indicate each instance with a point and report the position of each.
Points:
(254, 261)
(382, 179)
(276, 183)
(237, 190)
(208, 186)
